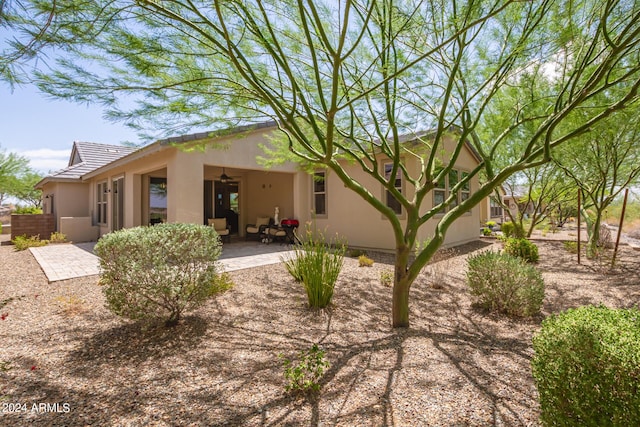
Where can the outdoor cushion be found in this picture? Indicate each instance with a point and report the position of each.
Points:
(277, 233)
(220, 225)
(262, 220)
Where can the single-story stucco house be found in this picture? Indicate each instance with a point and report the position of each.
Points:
(106, 188)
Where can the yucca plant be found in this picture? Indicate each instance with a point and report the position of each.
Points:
(317, 264)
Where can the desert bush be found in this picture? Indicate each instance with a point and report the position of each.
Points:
(570, 246)
(305, 372)
(386, 278)
(356, 253)
(521, 248)
(511, 229)
(317, 264)
(505, 284)
(57, 237)
(27, 210)
(586, 367)
(365, 261)
(20, 243)
(70, 305)
(159, 272)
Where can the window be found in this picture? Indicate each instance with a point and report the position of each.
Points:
(496, 208)
(465, 191)
(101, 202)
(391, 201)
(319, 193)
(453, 181)
(157, 200)
(440, 192)
(443, 188)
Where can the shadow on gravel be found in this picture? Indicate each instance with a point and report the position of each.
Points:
(136, 342)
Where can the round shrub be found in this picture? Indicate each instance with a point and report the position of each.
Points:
(511, 229)
(505, 284)
(587, 367)
(521, 248)
(161, 271)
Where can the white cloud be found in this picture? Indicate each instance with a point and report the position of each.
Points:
(46, 160)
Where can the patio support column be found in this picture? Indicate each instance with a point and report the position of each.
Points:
(185, 186)
(132, 200)
(301, 197)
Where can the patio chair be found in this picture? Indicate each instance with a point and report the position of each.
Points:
(221, 227)
(258, 229)
(277, 234)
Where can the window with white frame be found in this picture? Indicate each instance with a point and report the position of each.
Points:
(443, 188)
(390, 199)
(465, 191)
(320, 193)
(101, 202)
(496, 207)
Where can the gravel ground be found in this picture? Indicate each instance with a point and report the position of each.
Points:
(63, 352)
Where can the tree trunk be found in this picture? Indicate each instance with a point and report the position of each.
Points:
(594, 238)
(401, 286)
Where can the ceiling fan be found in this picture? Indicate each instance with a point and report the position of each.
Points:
(224, 178)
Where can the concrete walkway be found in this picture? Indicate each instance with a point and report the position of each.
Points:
(69, 261)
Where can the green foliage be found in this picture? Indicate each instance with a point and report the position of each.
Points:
(57, 237)
(587, 367)
(159, 272)
(521, 248)
(28, 210)
(365, 261)
(386, 278)
(304, 374)
(356, 253)
(511, 229)
(486, 231)
(317, 264)
(490, 224)
(505, 284)
(21, 243)
(571, 246)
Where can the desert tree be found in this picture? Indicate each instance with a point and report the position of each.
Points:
(353, 80)
(544, 193)
(602, 163)
(12, 169)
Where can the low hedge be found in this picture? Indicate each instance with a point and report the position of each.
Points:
(587, 367)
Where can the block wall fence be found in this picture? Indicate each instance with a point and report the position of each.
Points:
(33, 225)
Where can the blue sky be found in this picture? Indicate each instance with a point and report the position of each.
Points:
(43, 130)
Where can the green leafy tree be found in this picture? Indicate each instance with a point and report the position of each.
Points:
(602, 164)
(12, 168)
(547, 194)
(355, 80)
(25, 188)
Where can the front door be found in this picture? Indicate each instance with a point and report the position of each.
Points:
(117, 204)
(226, 202)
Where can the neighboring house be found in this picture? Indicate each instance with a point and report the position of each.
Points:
(106, 188)
(491, 208)
(516, 200)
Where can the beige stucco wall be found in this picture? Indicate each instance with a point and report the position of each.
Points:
(265, 191)
(350, 216)
(78, 229)
(69, 199)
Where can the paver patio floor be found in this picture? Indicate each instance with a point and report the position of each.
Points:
(68, 261)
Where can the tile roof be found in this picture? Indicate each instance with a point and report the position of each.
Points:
(89, 156)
